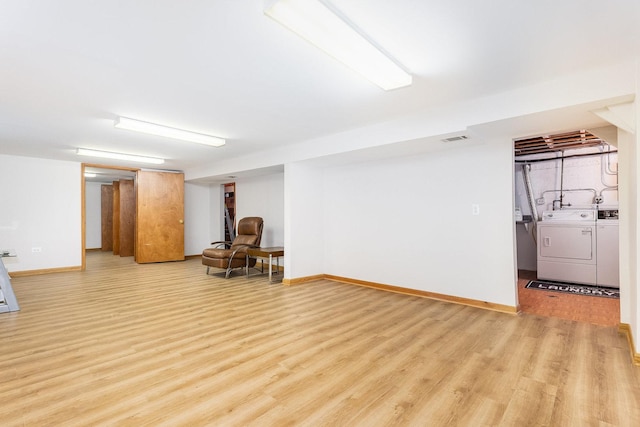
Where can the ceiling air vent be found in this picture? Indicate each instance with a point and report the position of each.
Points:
(455, 138)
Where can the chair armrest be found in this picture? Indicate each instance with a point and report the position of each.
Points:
(217, 244)
(241, 246)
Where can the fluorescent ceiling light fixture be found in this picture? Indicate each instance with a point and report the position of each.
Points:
(168, 132)
(321, 25)
(89, 175)
(119, 156)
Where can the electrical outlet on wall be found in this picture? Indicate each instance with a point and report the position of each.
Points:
(475, 209)
(36, 250)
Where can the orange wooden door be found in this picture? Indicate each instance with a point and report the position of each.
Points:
(106, 221)
(127, 217)
(116, 217)
(160, 217)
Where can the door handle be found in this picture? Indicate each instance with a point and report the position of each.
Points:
(547, 241)
(181, 221)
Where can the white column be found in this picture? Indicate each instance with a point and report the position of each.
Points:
(303, 220)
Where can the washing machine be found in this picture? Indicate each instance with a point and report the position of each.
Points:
(608, 263)
(567, 250)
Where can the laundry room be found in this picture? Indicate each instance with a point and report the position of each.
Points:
(566, 208)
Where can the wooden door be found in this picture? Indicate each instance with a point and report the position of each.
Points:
(160, 219)
(116, 217)
(106, 217)
(127, 217)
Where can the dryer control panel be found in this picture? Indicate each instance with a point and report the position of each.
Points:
(608, 214)
(570, 215)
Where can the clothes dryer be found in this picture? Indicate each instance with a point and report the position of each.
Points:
(567, 246)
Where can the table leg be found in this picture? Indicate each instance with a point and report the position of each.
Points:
(270, 258)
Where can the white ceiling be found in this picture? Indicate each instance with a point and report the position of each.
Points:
(68, 68)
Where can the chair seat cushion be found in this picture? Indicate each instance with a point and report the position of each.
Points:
(217, 253)
(220, 258)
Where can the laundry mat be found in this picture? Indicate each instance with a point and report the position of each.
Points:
(569, 288)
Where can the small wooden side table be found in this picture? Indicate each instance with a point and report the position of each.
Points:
(272, 252)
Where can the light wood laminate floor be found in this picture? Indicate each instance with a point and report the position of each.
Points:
(165, 344)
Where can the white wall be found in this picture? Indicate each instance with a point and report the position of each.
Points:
(633, 289)
(303, 220)
(629, 151)
(93, 215)
(197, 218)
(579, 173)
(263, 196)
(628, 225)
(40, 208)
(216, 232)
(408, 222)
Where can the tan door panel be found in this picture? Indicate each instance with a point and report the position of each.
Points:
(160, 216)
(106, 209)
(127, 217)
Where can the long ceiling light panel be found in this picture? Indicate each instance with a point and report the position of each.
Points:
(320, 24)
(168, 132)
(119, 156)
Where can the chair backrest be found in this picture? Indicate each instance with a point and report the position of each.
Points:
(249, 231)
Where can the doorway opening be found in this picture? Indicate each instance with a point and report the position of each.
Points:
(556, 177)
(229, 211)
(116, 235)
(157, 220)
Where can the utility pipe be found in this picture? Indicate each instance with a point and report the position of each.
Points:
(526, 175)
